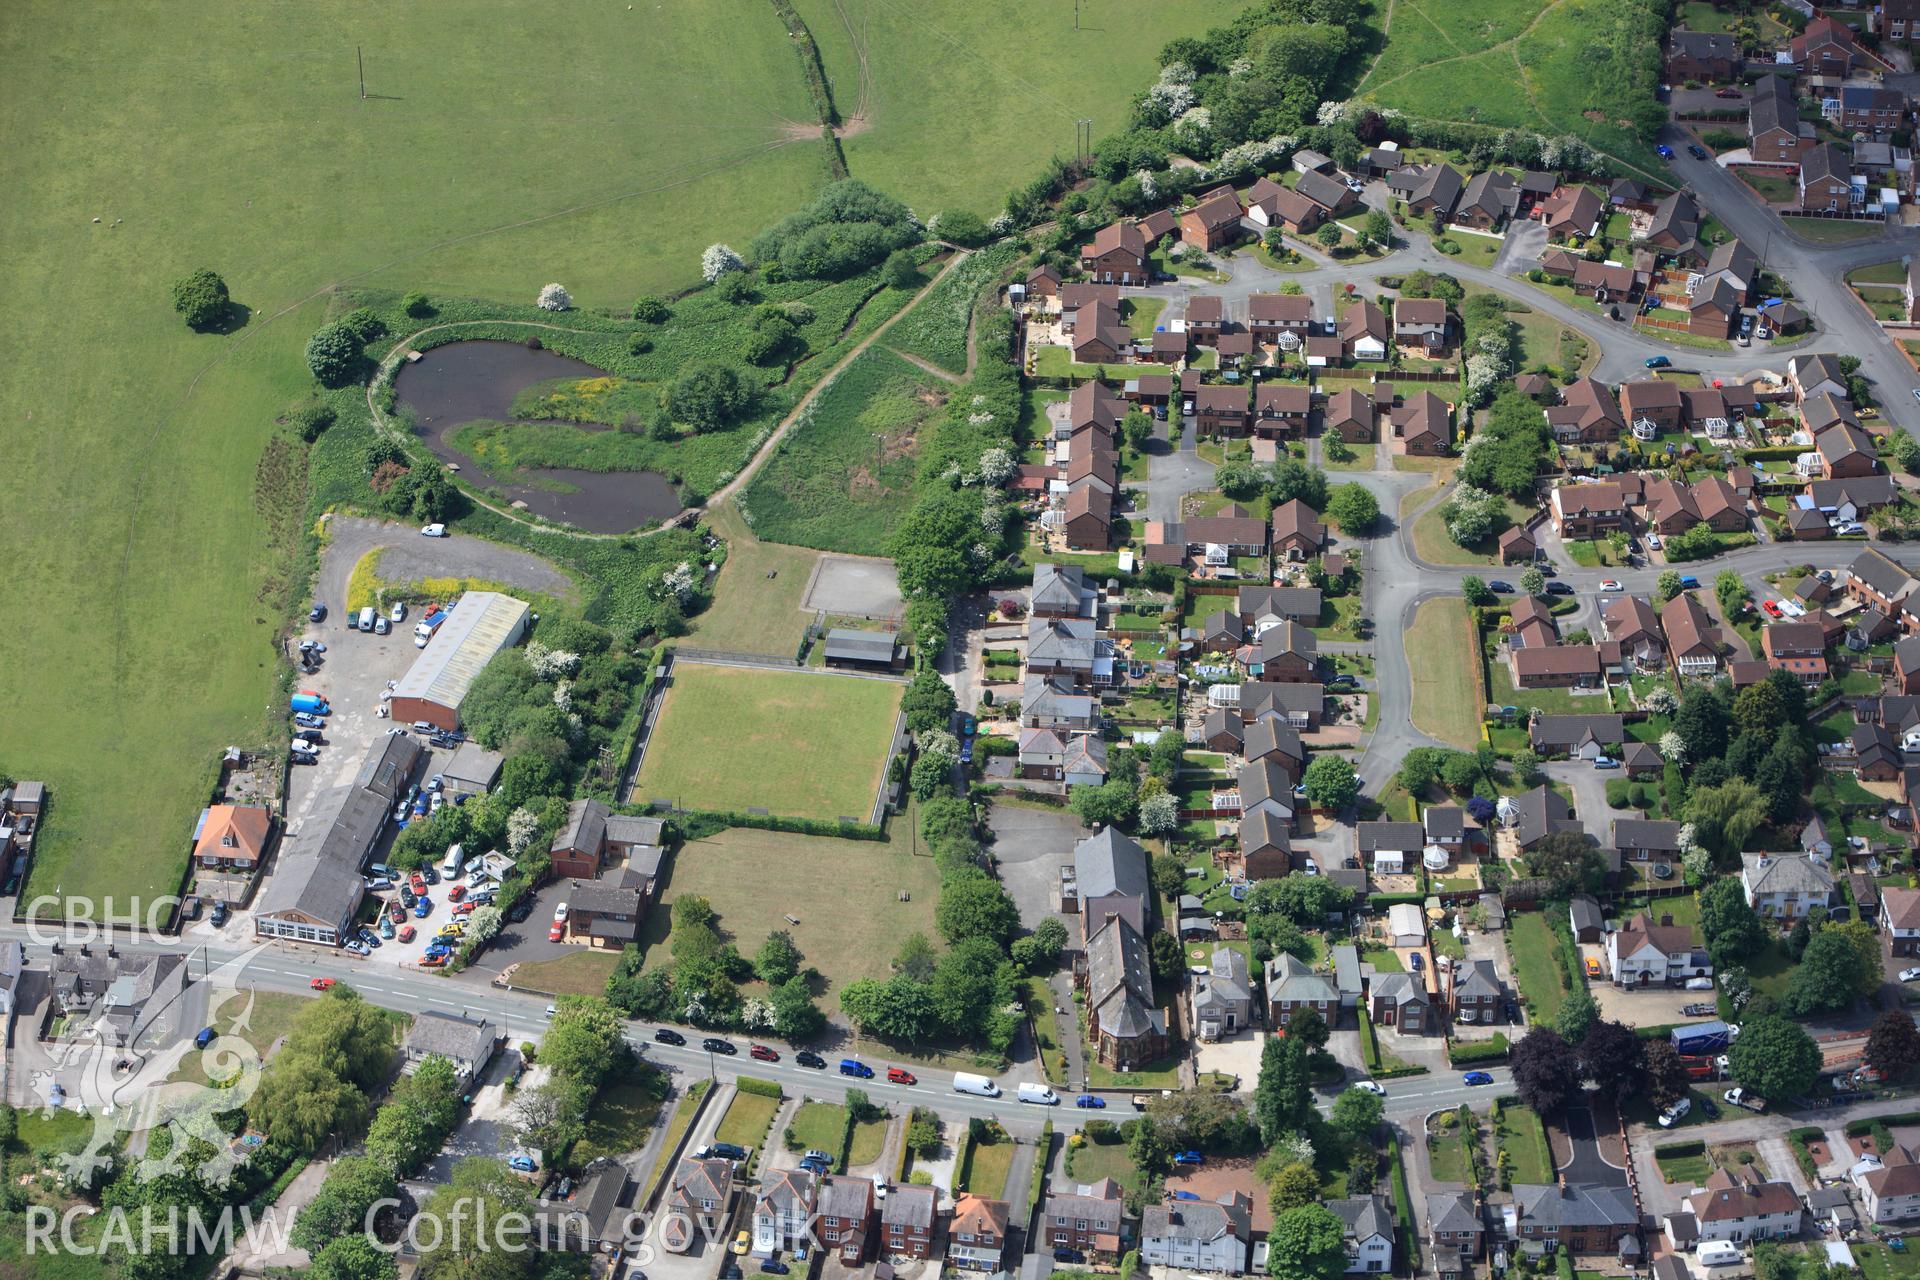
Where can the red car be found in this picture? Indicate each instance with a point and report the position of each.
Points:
(1773, 610)
(321, 984)
(456, 893)
(396, 912)
(898, 1075)
(558, 931)
(463, 909)
(763, 1053)
(405, 934)
(419, 883)
(1726, 93)
(432, 962)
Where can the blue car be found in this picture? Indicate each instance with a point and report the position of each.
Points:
(422, 907)
(1659, 362)
(318, 613)
(856, 1068)
(520, 1164)
(1091, 1101)
(1500, 588)
(1477, 1077)
(1666, 152)
(773, 1267)
(1189, 1158)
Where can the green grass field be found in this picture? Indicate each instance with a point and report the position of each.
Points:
(845, 893)
(842, 478)
(1446, 701)
(953, 104)
(1524, 63)
(936, 328)
(243, 145)
(793, 743)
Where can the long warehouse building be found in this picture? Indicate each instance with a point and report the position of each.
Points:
(480, 625)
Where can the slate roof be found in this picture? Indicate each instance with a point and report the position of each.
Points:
(1110, 862)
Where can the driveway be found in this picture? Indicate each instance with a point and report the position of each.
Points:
(1589, 789)
(1586, 1166)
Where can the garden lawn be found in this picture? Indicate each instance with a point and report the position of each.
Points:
(269, 1016)
(1441, 652)
(1683, 1170)
(144, 498)
(1432, 543)
(1447, 1152)
(952, 108)
(845, 893)
(987, 1175)
(1536, 969)
(843, 476)
(1878, 1262)
(1522, 1136)
(1099, 1160)
(794, 743)
(622, 1115)
(747, 1119)
(820, 1126)
(1833, 230)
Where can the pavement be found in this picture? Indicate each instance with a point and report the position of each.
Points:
(410, 557)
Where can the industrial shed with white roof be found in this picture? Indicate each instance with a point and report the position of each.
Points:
(481, 624)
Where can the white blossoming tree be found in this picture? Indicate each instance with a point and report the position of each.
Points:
(548, 663)
(483, 924)
(996, 466)
(1661, 701)
(1159, 814)
(679, 580)
(718, 260)
(555, 298)
(522, 826)
(1673, 748)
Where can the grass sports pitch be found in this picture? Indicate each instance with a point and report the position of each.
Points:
(796, 744)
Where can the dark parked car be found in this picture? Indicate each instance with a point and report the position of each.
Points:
(714, 1044)
(1697, 151)
(808, 1059)
(666, 1035)
(1498, 587)
(220, 914)
(520, 910)
(1559, 589)
(318, 613)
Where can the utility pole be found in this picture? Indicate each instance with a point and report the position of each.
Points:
(1076, 15)
(361, 61)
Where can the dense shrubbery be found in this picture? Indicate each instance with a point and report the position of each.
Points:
(848, 228)
(1508, 448)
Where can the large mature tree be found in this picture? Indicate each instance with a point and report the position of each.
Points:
(795, 1015)
(1893, 1046)
(1331, 782)
(202, 298)
(353, 1185)
(1613, 1059)
(976, 907)
(1568, 862)
(1353, 507)
(1774, 1058)
(585, 1040)
(1731, 926)
(1576, 1016)
(479, 1190)
(1828, 978)
(779, 958)
(1306, 900)
(1545, 1073)
(928, 701)
(353, 1257)
(1357, 1113)
(1204, 1120)
(416, 1119)
(1667, 1080)
(1306, 1244)
(1292, 1187)
(1283, 1095)
(1724, 816)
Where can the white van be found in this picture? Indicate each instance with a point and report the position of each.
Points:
(980, 1086)
(456, 859)
(366, 618)
(1039, 1093)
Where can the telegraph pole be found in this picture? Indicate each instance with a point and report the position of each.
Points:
(361, 61)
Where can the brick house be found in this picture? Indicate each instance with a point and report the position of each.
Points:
(594, 835)
(1117, 255)
(1774, 127)
(1212, 223)
(1900, 19)
(1271, 314)
(1702, 55)
(845, 1218)
(1363, 332)
(1297, 533)
(1476, 996)
(1271, 205)
(1587, 414)
(1087, 518)
(1281, 410)
(1825, 48)
(1874, 111)
(1421, 323)
(1454, 1223)
(977, 1233)
(1826, 179)
(1571, 211)
(1220, 410)
(1589, 510)
(1579, 1219)
(231, 837)
(1424, 425)
(1900, 913)
(1293, 985)
(1349, 414)
(1124, 1025)
(1399, 1000)
(1654, 401)
(1091, 1219)
(1797, 648)
(910, 1222)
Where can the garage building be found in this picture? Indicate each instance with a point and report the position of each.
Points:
(481, 624)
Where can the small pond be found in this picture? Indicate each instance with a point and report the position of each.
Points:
(461, 382)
